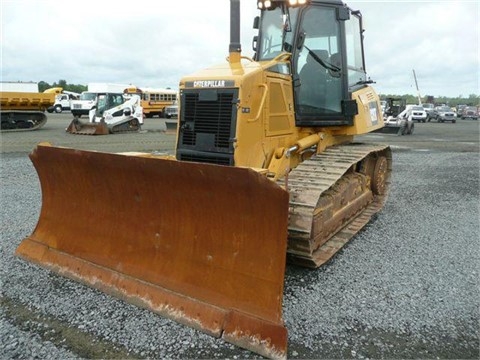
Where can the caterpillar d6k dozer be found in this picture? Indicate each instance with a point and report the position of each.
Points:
(266, 169)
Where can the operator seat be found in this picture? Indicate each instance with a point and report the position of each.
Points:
(333, 99)
(313, 80)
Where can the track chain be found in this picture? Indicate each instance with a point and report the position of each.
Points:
(327, 174)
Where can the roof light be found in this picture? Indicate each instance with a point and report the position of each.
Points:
(272, 4)
(264, 4)
(294, 3)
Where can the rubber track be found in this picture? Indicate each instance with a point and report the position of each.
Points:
(38, 125)
(306, 184)
(136, 129)
(117, 129)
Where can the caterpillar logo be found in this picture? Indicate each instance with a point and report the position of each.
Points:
(210, 83)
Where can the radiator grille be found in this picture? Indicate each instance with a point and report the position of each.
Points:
(208, 119)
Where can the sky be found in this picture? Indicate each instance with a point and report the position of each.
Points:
(154, 43)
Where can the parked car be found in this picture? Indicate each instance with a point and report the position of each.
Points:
(444, 113)
(417, 113)
(470, 112)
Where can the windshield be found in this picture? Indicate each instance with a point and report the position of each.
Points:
(108, 101)
(319, 62)
(277, 35)
(417, 108)
(88, 96)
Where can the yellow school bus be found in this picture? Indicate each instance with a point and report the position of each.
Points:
(154, 100)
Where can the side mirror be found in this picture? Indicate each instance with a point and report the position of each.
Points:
(256, 22)
(343, 13)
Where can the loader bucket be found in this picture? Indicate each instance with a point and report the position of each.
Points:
(86, 128)
(202, 244)
(391, 129)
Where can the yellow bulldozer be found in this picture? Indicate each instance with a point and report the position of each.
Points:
(266, 171)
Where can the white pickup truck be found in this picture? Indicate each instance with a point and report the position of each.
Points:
(63, 102)
(83, 105)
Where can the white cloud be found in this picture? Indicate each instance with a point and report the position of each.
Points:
(439, 39)
(152, 43)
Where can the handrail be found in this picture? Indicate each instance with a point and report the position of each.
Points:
(241, 57)
(282, 57)
(262, 103)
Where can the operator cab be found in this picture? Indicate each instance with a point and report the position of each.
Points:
(327, 62)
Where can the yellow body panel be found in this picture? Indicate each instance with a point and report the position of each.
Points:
(369, 117)
(26, 101)
(266, 113)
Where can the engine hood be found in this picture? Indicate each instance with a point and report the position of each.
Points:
(228, 75)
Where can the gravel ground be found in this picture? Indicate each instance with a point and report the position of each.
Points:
(407, 286)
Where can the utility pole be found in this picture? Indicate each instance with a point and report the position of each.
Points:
(418, 91)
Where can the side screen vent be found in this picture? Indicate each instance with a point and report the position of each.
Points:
(207, 125)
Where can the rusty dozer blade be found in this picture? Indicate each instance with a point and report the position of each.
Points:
(202, 244)
(87, 128)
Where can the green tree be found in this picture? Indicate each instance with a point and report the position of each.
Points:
(62, 84)
(42, 86)
(78, 88)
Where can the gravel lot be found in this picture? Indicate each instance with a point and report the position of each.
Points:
(407, 286)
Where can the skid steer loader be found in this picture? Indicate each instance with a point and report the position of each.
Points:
(396, 119)
(266, 170)
(113, 113)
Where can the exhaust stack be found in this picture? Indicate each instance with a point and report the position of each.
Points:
(235, 48)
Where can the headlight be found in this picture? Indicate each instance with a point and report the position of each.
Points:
(271, 4)
(297, 2)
